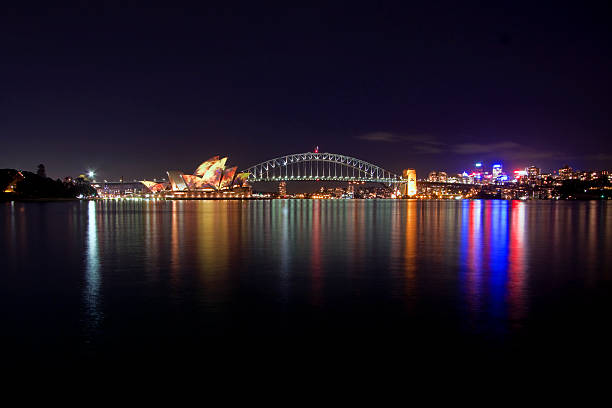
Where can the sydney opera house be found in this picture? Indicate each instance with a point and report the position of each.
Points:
(210, 180)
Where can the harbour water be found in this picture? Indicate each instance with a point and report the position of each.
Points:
(109, 279)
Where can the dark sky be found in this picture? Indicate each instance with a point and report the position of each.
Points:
(135, 91)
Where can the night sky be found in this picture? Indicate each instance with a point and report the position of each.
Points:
(137, 91)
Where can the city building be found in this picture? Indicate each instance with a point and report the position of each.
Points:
(437, 177)
(282, 189)
(533, 172)
(120, 189)
(454, 179)
(211, 179)
(350, 191)
(566, 173)
(477, 172)
(497, 171)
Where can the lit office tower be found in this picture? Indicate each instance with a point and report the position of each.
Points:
(477, 172)
(497, 171)
(409, 188)
(437, 176)
(282, 188)
(566, 173)
(533, 172)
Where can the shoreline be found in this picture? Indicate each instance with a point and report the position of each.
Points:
(50, 200)
(38, 200)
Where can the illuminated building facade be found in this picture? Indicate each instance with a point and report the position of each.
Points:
(497, 171)
(123, 189)
(350, 190)
(566, 173)
(177, 182)
(478, 172)
(533, 172)
(208, 180)
(438, 177)
(282, 189)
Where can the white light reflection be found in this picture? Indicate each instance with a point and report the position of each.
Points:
(285, 251)
(92, 274)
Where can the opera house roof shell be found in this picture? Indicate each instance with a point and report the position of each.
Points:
(211, 175)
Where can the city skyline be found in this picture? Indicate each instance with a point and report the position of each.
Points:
(99, 174)
(111, 89)
(345, 186)
(93, 173)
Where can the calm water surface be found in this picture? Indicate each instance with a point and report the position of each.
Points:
(105, 279)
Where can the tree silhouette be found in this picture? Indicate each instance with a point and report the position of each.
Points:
(41, 170)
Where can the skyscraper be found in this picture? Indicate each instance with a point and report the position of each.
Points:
(497, 171)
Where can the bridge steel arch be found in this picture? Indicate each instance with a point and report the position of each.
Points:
(320, 166)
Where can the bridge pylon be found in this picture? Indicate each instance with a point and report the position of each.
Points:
(408, 188)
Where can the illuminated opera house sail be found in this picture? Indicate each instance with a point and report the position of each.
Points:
(210, 177)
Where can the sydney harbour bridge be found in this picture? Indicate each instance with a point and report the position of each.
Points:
(213, 179)
(315, 166)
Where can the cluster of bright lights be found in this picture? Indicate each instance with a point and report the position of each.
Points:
(520, 173)
(497, 173)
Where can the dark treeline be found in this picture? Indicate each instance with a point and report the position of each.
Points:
(28, 185)
(586, 190)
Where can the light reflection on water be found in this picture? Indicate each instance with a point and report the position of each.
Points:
(91, 293)
(209, 268)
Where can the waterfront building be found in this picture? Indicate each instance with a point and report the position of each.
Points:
(177, 182)
(282, 189)
(210, 179)
(109, 189)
